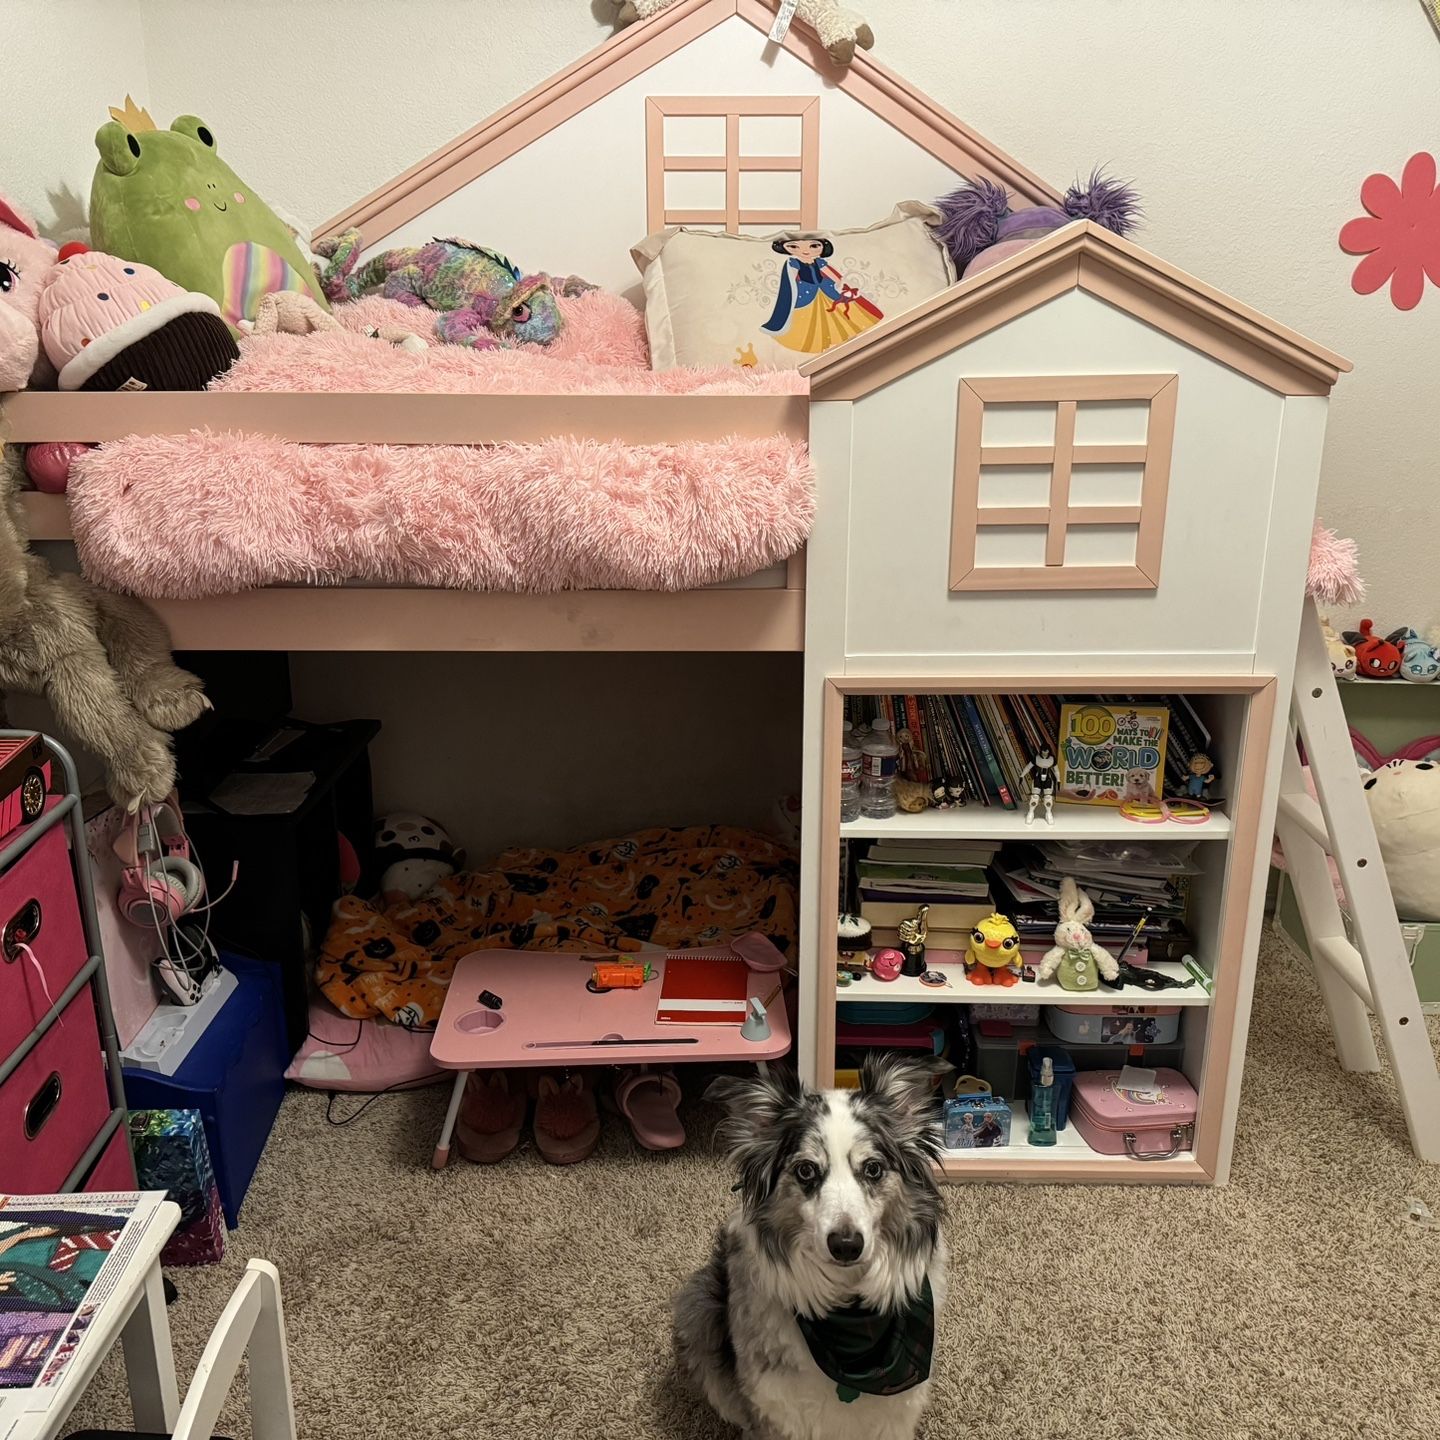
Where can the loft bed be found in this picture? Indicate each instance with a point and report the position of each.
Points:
(564, 137)
(1081, 470)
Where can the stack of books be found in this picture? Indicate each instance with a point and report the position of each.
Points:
(897, 877)
(1027, 885)
(987, 741)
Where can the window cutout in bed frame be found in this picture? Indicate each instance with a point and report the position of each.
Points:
(1059, 456)
(733, 161)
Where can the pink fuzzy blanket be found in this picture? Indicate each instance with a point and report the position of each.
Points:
(176, 517)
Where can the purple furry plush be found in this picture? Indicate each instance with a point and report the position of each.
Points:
(978, 214)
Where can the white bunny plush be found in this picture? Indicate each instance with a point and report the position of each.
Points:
(1078, 960)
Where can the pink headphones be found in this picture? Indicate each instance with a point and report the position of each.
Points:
(160, 882)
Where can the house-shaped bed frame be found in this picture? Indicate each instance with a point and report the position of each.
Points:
(1079, 471)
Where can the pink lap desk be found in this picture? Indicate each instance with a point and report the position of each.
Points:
(545, 1000)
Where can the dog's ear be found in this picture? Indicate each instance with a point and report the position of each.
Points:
(898, 1091)
(753, 1133)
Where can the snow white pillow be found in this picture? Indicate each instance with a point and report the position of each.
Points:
(779, 300)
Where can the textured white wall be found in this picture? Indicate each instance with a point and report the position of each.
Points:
(62, 62)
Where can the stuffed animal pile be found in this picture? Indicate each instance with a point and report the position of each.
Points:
(1402, 654)
(839, 30)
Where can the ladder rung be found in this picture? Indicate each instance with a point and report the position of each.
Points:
(1345, 960)
(1309, 817)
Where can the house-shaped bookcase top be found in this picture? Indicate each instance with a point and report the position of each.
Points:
(1089, 437)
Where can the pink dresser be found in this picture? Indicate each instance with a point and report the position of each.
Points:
(62, 1108)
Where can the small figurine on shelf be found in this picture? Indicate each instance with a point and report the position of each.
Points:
(947, 793)
(1041, 771)
(993, 957)
(1076, 959)
(1201, 777)
(913, 933)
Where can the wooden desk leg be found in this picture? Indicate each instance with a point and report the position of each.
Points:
(441, 1156)
(149, 1362)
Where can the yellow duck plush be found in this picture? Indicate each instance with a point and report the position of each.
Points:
(994, 954)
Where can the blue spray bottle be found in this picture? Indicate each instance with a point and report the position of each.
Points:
(1042, 1106)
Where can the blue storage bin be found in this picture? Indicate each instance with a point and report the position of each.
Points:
(1062, 1065)
(234, 1076)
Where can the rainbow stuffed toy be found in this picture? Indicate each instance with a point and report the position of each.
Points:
(481, 298)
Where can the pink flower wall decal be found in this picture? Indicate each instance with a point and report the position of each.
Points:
(1400, 236)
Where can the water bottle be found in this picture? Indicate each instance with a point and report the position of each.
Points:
(880, 758)
(851, 767)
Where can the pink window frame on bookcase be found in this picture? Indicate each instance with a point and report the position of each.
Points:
(732, 108)
(1062, 455)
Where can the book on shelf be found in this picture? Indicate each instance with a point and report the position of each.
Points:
(943, 915)
(961, 881)
(995, 780)
(953, 854)
(1109, 754)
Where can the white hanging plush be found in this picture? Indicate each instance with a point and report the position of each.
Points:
(840, 30)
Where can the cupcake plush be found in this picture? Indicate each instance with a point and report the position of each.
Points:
(113, 324)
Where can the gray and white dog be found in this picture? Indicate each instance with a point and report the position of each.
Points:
(814, 1317)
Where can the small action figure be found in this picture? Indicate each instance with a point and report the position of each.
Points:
(1201, 777)
(913, 933)
(947, 794)
(1042, 787)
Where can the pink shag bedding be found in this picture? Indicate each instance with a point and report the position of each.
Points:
(183, 516)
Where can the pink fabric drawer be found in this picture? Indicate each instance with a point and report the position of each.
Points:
(114, 1170)
(1149, 1126)
(40, 885)
(54, 1104)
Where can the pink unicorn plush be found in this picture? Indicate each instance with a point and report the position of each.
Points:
(25, 260)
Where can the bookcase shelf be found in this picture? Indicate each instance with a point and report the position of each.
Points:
(1072, 822)
(1070, 1148)
(960, 990)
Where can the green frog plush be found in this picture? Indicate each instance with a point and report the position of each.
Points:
(167, 199)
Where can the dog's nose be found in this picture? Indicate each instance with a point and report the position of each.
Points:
(846, 1245)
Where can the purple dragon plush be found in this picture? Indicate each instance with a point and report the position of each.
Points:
(481, 298)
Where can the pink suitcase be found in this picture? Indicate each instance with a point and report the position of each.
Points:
(1146, 1126)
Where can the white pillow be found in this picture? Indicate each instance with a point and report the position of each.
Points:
(717, 299)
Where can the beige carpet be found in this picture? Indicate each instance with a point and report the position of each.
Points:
(527, 1303)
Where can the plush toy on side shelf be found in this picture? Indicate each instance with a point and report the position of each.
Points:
(1342, 656)
(1404, 800)
(1419, 659)
(416, 853)
(480, 297)
(1376, 658)
(1076, 960)
(993, 955)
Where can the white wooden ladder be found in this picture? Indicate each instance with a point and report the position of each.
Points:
(1372, 973)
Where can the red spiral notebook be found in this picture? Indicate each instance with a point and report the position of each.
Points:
(703, 989)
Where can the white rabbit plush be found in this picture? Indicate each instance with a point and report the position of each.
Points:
(1076, 957)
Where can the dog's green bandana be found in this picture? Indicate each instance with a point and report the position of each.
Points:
(872, 1352)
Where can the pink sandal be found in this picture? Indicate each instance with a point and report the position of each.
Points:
(648, 1099)
(567, 1120)
(492, 1111)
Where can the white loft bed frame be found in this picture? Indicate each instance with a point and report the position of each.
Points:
(1236, 411)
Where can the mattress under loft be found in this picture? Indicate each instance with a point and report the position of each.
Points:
(763, 612)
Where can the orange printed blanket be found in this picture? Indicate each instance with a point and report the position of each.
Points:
(675, 888)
